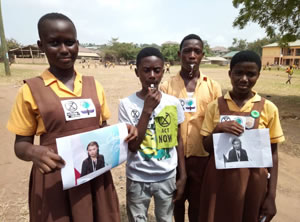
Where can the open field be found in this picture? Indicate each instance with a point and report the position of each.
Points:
(120, 82)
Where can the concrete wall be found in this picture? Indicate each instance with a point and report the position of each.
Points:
(269, 54)
(31, 60)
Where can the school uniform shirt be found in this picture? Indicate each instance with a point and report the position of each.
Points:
(152, 163)
(269, 116)
(25, 119)
(206, 91)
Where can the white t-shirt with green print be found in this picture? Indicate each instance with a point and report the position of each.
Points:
(156, 159)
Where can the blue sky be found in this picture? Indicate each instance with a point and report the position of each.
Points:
(138, 21)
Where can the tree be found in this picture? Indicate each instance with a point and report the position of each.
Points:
(11, 44)
(4, 45)
(238, 44)
(169, 52)
(275, 16)
(127, 51)
(119, 50)
(149, 45)
(257, 45)
(206, 48)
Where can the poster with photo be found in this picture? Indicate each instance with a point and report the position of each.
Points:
(250, 150)
(90, 154)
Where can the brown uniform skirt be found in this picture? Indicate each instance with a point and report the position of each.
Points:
(233, 195)
(94, 201)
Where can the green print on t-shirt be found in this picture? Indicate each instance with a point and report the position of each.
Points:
(166, 125)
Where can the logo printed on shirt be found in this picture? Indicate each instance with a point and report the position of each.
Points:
(239, 119)
(135, 114)
(188, 105)
(164, 121)
(166, 124)
(71, 106)
(78, 109)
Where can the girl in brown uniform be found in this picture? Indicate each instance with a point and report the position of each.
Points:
(38, 111)
(241, 194)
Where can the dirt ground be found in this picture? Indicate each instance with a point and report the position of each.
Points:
(120, 82)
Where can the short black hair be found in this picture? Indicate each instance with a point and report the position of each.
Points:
(245, 56)
(148, 51)
(188, 37)
(52, 16)
(236, 139)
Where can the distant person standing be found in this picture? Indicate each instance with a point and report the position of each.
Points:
(194, 90)
(168, 68)
(289, 71)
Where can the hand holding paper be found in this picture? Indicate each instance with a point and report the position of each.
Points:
(46, 160)
(111, 146)
(229, 127)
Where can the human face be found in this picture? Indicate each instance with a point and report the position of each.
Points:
(93, 150)
(243, 77)
(191, 53)
(236, 145)
(150, 71)
(59, 42)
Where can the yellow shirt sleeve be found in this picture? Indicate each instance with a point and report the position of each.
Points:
(217, 90)
(105, 113)
(24, 116)
(269, 119)
(25, 119)
(164, 87)
(210, 119)
(275, 130)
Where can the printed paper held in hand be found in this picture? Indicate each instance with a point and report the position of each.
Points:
(81, 164)
(250, 150)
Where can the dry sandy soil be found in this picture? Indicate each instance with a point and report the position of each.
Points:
(119, 82)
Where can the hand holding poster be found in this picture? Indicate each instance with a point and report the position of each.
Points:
(250, 150)
(90, 154)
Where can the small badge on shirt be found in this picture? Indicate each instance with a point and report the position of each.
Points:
(78, 109)
(189, 105)
(250, 121)
(239, 119)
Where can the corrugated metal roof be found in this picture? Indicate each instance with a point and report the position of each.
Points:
(220, 49)
(275, 44)
(88, 54)
(230, 54)
(216, 59)
(83, 49)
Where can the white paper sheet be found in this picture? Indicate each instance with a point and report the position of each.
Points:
(73, 149)
(255, 143)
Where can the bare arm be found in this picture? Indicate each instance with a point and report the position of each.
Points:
(104, 124)
(269, 207)
(152, 99)
(42, 156)
(180, 183)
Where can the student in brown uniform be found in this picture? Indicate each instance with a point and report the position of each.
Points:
(195, 90)
(38, 111)
(241, 194)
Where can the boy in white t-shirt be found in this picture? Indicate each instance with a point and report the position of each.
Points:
(156, 153)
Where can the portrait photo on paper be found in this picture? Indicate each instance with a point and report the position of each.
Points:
(250, 150)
